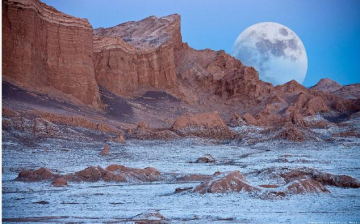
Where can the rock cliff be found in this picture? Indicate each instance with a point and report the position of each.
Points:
(49, 51)
(137, 54)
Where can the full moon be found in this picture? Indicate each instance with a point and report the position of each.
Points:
(274, 50)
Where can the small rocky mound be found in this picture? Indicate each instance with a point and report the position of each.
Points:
(321, 177)
(163, 135)
(206, 125)
(105, 151)
(236, 121)
(36, 175)
(182, 189)
(305, 186)
(143, 132)
(287, 176)
(147, 174)
(206, 159)
(296, 118)
(116, 173)
(120, 138)
(249, 119)
(152, 217)
(290, 132)
(59, 182)
(224, 183)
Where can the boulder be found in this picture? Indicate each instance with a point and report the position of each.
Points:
(59, 182)
(206, 159)
(120, 138)
(105, 151)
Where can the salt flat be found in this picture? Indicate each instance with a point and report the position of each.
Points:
(122, 202)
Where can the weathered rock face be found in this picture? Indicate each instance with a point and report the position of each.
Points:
(44, 49)
(137, 54)
(207, 74)
(349, 91)
(48, 51)
(330, 86)
(208, 125)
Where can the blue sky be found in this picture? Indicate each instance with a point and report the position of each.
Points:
(329, 29)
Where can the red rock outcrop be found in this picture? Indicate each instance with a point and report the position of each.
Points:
(225, 183)
(120, 138)
(146, 174)
(288, 131)
(48, 51)
(321, 177)
(36, 175)
(105, 151)
(59, 182)
(305, 186)
(77, 121)
(116, 173)
(208, 125)
(137, 54)
(236, 121)
(143, 131)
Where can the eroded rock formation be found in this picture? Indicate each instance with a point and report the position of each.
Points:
(224, 183)
(208, 125)
(114, 172)
(49, 51)
(137, 54)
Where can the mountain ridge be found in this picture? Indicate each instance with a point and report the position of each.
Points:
(144, 63)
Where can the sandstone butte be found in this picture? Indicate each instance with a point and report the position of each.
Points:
(48, 52)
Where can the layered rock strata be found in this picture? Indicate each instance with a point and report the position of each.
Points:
(46, 50)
